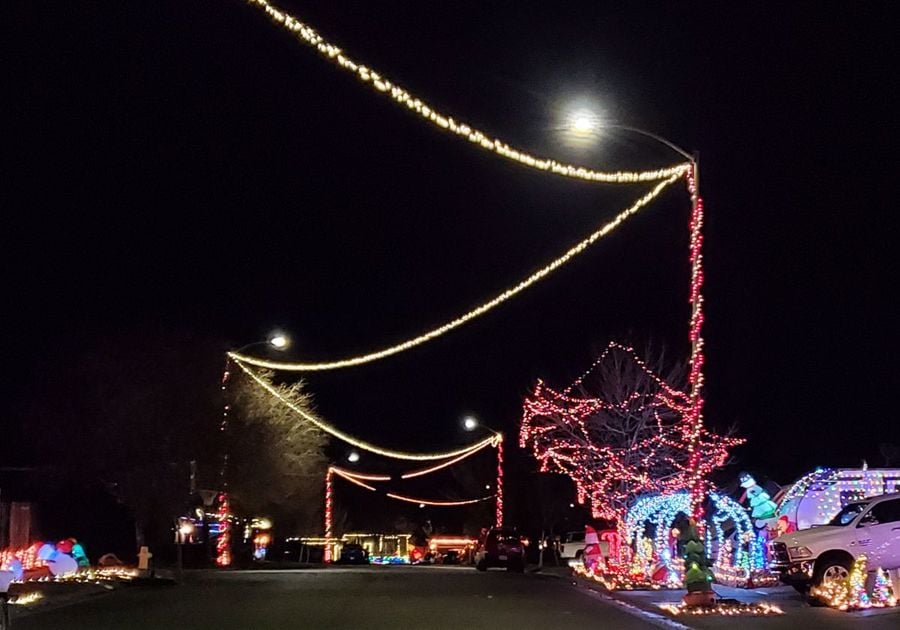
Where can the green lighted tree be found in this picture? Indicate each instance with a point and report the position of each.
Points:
(697, 574)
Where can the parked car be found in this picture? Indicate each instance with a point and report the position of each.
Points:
(500, 547)
(572, 545)
(450, 557)
(352, 553)
(820, 555)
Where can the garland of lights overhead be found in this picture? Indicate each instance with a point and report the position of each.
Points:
(362, 444)
(346, 474)
(499, 299)
(693, 414)
(307, 35)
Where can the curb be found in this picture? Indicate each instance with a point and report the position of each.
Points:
(651, 616)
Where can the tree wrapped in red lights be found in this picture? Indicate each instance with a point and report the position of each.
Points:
(618, 431)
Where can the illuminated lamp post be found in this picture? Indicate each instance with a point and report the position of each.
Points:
(582, 122)
(279, 341)
(470, 423)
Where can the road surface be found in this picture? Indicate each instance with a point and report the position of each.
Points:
(367, 598)
(403, 597)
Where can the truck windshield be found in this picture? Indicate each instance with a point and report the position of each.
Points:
(850, 512)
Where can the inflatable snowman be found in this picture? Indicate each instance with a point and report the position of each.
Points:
(762, 508)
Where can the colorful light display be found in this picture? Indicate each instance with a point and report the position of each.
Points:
(817, 497)
(557, 427)
(730, 538)
(883, 591)
(848, 594)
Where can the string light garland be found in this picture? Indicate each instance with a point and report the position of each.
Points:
(499, 299)
(307, 35)
(351, 478)
(727, 608)
(360, 479)
(353, 441)
(355, 475)
(400, 497)
(495, 441)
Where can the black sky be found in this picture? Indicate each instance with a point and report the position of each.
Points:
(187, 167)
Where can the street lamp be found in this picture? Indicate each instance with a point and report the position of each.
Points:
(353, 457)
(470, 423)
(583, 123)
(277, 340)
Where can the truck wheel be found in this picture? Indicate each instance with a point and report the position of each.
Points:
(832, 568)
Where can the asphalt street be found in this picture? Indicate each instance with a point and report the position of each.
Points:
(354, 598)
(404, 597)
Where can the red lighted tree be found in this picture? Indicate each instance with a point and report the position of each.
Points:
(618, 431)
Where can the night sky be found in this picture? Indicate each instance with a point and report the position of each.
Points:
(187, 172)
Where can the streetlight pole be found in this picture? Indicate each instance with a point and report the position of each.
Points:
(279, 341)
(695, 376)
(470, 423)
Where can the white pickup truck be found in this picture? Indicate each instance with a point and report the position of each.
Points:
(825, 553)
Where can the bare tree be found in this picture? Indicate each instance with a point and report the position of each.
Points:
(618, 431)
(276, 461)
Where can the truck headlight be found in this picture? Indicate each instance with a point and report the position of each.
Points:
(800, 552)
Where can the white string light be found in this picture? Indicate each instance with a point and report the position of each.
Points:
(438, 503)
(401, 96)
(511, 292)
(345, 474)
(424, 471)
(346, 437)
(356, 475)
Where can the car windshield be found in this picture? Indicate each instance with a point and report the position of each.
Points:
(846, 516)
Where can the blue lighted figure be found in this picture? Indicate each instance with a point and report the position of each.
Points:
(79, 554)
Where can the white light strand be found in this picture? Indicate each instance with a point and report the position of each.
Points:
(353, 479)
(438, 503)
(401, 96)
(424, 471)
(511, 292)
(366, 446)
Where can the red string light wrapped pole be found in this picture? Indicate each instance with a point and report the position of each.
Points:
(695, 376)
(223, 540)
(329, 512)
(499, 514)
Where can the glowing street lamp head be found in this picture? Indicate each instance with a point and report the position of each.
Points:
(583, 122)
(353, 457)
(470, 423)
(279, 341)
